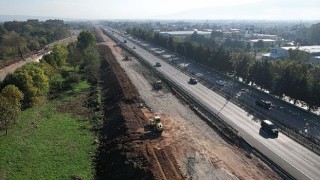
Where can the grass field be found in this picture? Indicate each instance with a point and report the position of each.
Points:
(52, 141)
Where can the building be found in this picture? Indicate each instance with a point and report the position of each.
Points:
(266, 42)
(185, 33)
(283, 52)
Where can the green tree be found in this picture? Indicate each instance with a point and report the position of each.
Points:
(10, 105)
(32, 81)
(60, 54)
(241, 62)
(260, 73)
(75, 57)
(298, 55)
(91, 64)
(85, 39)
(13, 45)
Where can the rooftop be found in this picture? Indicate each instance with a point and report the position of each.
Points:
(310, 49)
(185, 32)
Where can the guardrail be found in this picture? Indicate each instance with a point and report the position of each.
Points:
(208, 115)
(305, 139)
(172, 83)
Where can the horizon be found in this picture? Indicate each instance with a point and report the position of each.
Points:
(286, 10)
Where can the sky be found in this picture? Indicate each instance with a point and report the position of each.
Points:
(165, 9)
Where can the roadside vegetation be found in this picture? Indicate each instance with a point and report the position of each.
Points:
(19, 39)
(293, 77)
(48, 113)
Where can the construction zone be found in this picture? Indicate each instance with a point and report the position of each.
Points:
(147, 136)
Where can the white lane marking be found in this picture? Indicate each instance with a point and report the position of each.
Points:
(304, 158)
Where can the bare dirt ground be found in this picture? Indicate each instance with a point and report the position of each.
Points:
(187, 149)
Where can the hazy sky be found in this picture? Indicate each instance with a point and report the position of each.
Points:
(165, 9)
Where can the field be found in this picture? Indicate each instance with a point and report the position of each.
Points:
(52, 141)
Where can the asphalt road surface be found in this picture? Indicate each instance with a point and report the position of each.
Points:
(297, 160)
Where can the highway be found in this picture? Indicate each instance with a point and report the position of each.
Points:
(295, 159)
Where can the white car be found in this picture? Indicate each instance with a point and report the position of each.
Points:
(220, 82)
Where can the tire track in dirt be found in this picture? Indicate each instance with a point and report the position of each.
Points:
(125, 151)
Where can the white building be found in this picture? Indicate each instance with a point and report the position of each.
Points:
(283, 52)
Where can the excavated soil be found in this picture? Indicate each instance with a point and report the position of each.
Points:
(188, 148)
(125, 151)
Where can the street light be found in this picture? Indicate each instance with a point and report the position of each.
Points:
(184, 57)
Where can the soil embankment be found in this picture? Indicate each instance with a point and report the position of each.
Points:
(125, 151)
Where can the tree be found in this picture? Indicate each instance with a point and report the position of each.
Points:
(32, 81)
(313, 34)
(91, 65)
(298, 55)
(10, 105)
(85, 39)
(241, 63)
(60, 54)
(75, 57)
(260, 73)
(13, 45)
(259, 44)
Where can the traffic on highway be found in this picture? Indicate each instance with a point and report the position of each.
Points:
(295, 159)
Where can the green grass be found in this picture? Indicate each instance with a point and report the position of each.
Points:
(47, 144)
(84, 85)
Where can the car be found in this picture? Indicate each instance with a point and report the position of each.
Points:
(133, 47)
(269, 127)
(193, 80)
(220, 82)
(244, 90)
(264, 104)
(158, 64)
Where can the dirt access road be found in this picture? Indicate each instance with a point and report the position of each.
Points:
(10, 67)
(187, 149)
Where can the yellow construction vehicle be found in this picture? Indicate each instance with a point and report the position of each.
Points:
(156, 122)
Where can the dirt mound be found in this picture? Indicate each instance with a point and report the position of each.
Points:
(125, 151)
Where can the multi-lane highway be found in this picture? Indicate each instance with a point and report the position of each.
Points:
(297, 160)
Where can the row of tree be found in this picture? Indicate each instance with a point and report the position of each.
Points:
(19, 38)
(32, 83)
(293, 78)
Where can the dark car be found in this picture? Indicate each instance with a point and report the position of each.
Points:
(158, 64)
(193, 81)
(269, 127)
(264, 104)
